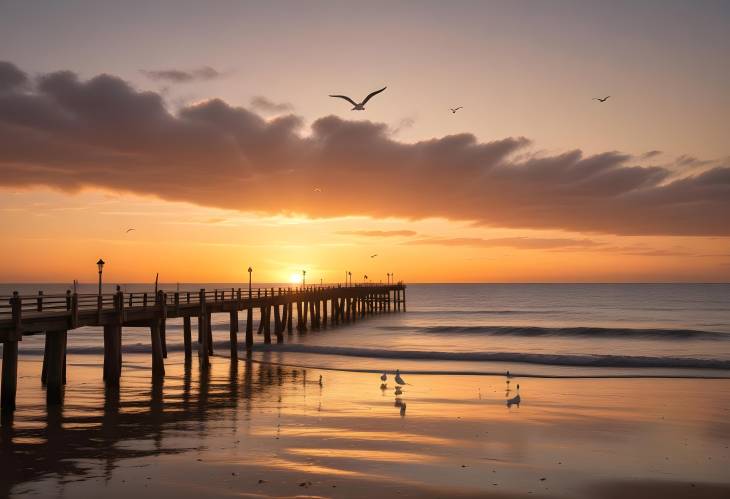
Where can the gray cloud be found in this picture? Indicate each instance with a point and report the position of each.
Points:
(68, 133)
(650, 154)
(261, 103)
(182, 76)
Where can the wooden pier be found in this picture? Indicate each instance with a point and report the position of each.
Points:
(56, 316)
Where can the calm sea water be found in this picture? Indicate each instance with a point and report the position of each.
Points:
(529, 329)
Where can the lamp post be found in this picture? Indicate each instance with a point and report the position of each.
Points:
(100, 265)
(388, 274)
(350, 274)
(249, 281)
(366, 278)
(304, 277)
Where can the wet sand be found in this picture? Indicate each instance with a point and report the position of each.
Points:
(262, 430)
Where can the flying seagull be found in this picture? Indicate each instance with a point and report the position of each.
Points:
(129, 230)
(317, 189)
(360, 106)
(373, 256)
(602, 100)
(454, 109)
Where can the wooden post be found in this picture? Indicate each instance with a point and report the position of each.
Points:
(10, 376)
(312, 314)
(209, 331)
(266, 319)
(278, 329)
(163, 337)
(249, 327)
(234, 334)
(158, 364)
(300, 323)
(10, 357)
(112, 333)
(305, 312)
(44, 369)
(54, 386)
(187, 338)
(404, 299)
(290, 312)
(203, 351)
(324, 312)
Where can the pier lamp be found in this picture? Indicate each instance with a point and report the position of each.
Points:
(100, 265)
(304, 276)
(350, 274)
(249, 281)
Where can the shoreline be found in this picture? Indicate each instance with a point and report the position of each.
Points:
(246, 421)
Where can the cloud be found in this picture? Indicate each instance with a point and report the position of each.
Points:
(261, 103)
(67, 133)
(378, 233)
(182, 76)
(650, 154)
(508, 242)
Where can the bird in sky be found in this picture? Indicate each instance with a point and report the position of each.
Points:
(373, 256)
(317, 189)
(601, 100)
(130, 230)
(454, 109)
(360, 106)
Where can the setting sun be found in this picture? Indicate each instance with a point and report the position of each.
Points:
(295, 278)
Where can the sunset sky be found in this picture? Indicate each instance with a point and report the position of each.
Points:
(208, 128)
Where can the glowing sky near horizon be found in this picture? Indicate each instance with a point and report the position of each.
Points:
(523, 69)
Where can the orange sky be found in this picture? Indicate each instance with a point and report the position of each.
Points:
(210, 131)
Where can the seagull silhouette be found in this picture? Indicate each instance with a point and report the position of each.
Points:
(129, 230)
(317, 189)
(360, 106)
(602, 100)
(454, 109)
(384, 377)
(398, 379)
(373, 256)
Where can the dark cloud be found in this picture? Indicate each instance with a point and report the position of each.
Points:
(650, 154)
(379, 233)
(11, 77)
(182, 76)
(263, 104)
(509, 242)
(69, 133)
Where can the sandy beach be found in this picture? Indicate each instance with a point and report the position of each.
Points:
(252, 429)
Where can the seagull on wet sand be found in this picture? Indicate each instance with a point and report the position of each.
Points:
(454, 109)
(359, 106)
(601, 100)
(403, 409)
(514, 401)
(398, 379)
(384, 377)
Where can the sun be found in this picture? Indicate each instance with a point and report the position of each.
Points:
(295, 278)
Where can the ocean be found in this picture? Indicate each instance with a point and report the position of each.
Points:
(543, 330)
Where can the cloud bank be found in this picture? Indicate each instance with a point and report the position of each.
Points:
(66, 133)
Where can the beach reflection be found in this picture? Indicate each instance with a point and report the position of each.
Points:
(250, 424)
